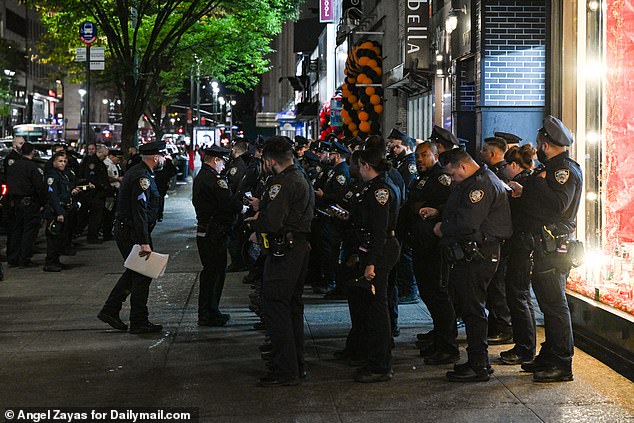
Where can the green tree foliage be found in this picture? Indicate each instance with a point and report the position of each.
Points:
(149, 62)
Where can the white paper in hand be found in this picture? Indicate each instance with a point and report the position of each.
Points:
(153, 267)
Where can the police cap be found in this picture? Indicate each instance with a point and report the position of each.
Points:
(557, 131)
(337, 147)
(322, 146)
(509, 138)
(218, 151)
(155, 147)
(311, 157)
(442, 136)
(356, 141)
(301, 141)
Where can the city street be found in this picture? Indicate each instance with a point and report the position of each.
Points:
(55, 353)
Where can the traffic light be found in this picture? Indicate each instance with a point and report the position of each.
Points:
(180, 130)
(203, 121)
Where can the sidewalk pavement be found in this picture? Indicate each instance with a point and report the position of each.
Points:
(55, 353)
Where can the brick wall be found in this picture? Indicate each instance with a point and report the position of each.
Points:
(514, 53)
(467, 86)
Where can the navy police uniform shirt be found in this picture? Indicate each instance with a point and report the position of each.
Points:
(555, 198)
(477, 209)
(235, 172)
(11, 158)
(406, 166)
(138, 203)
(213, 200)
(379, 213)
(26, 179)
(336, 184)
(287, 204)
(58, 190)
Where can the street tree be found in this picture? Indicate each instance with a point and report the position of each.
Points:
(151, 43)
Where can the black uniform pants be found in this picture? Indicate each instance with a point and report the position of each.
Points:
(109, 213)
(70, 227)
(370, 335)
(97, 204)
(130, 283)
(213, 256)
(24, 223)
(331, 240)
(405, 278)
(283, 308)
(518, 297)
(315, 277)
(54, 246)
(469, 282)
(434, 292)
(499, 314)
(549, 284)
(237, 238)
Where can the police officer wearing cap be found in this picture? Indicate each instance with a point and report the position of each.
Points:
(445, 140)
(14, 154)
(475, 219)
(216, 212)
(27, 196)
(500, 331)
(511, 139)
(137, 211)
(283, 220)
(550, 200)
(93, 171)
(334, 188)
(428, 195)
(235, 173)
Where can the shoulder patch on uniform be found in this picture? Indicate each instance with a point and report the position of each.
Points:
(382, 195)
(412, 168)
(274, 190)
(50, 181)
(476, 195)
(233, 171)
(341, 179)
(144, 183)
(562, 176)
(444, 179)
(223, 184)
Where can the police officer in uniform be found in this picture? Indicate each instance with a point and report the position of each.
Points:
(475, 219)
(284, 217)
(59, 201)
(445, 140)
(550, 200)
(137, 211)
(500, 331)
(378, 253)
(335, 185)
(27, 195)
(133, 158)
(94, 171)
(421, 211)
(216, 212)
(237, 167)
(14, 154)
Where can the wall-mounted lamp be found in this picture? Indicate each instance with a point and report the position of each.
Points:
(451, 21)
(439, 58)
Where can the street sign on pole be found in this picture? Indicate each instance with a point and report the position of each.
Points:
(80, 54)
(97, 66)
(88, 32)
(97, 54)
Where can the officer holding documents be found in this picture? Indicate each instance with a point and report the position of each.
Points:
(550, 200)
(137, 212)
(216, 212)
(283, 221)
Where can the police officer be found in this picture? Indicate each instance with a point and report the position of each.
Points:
(14, 154)
(137, 211)
(337, 180)
(235, 173)
(422, 210)
(284, 217)
(59, 201)
(475, 219)
(405, 162)
(445, 140)
(378, 253)
(237, 166)
(550, 200)
(27, 196)
(216, 212)
(133, 158)
(500, 331)
(94, 171)
(519, 164)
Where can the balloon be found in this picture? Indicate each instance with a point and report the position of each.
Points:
(367, 44)
(363, 115)
(364, 61)
(370, 91)
(353, 99)
(378, 109)
(372, 63)
(375, 99)
(352, 126)
(364, 127)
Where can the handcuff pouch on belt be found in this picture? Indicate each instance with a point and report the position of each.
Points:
(279, 244)
(554, 240)
(461, 252)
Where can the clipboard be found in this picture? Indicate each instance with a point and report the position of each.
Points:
(153, 267)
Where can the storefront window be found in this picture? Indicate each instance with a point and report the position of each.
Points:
(604, 132)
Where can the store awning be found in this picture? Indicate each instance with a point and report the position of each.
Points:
(409, 81)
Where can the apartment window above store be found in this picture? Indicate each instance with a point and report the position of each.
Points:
(16, 23)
